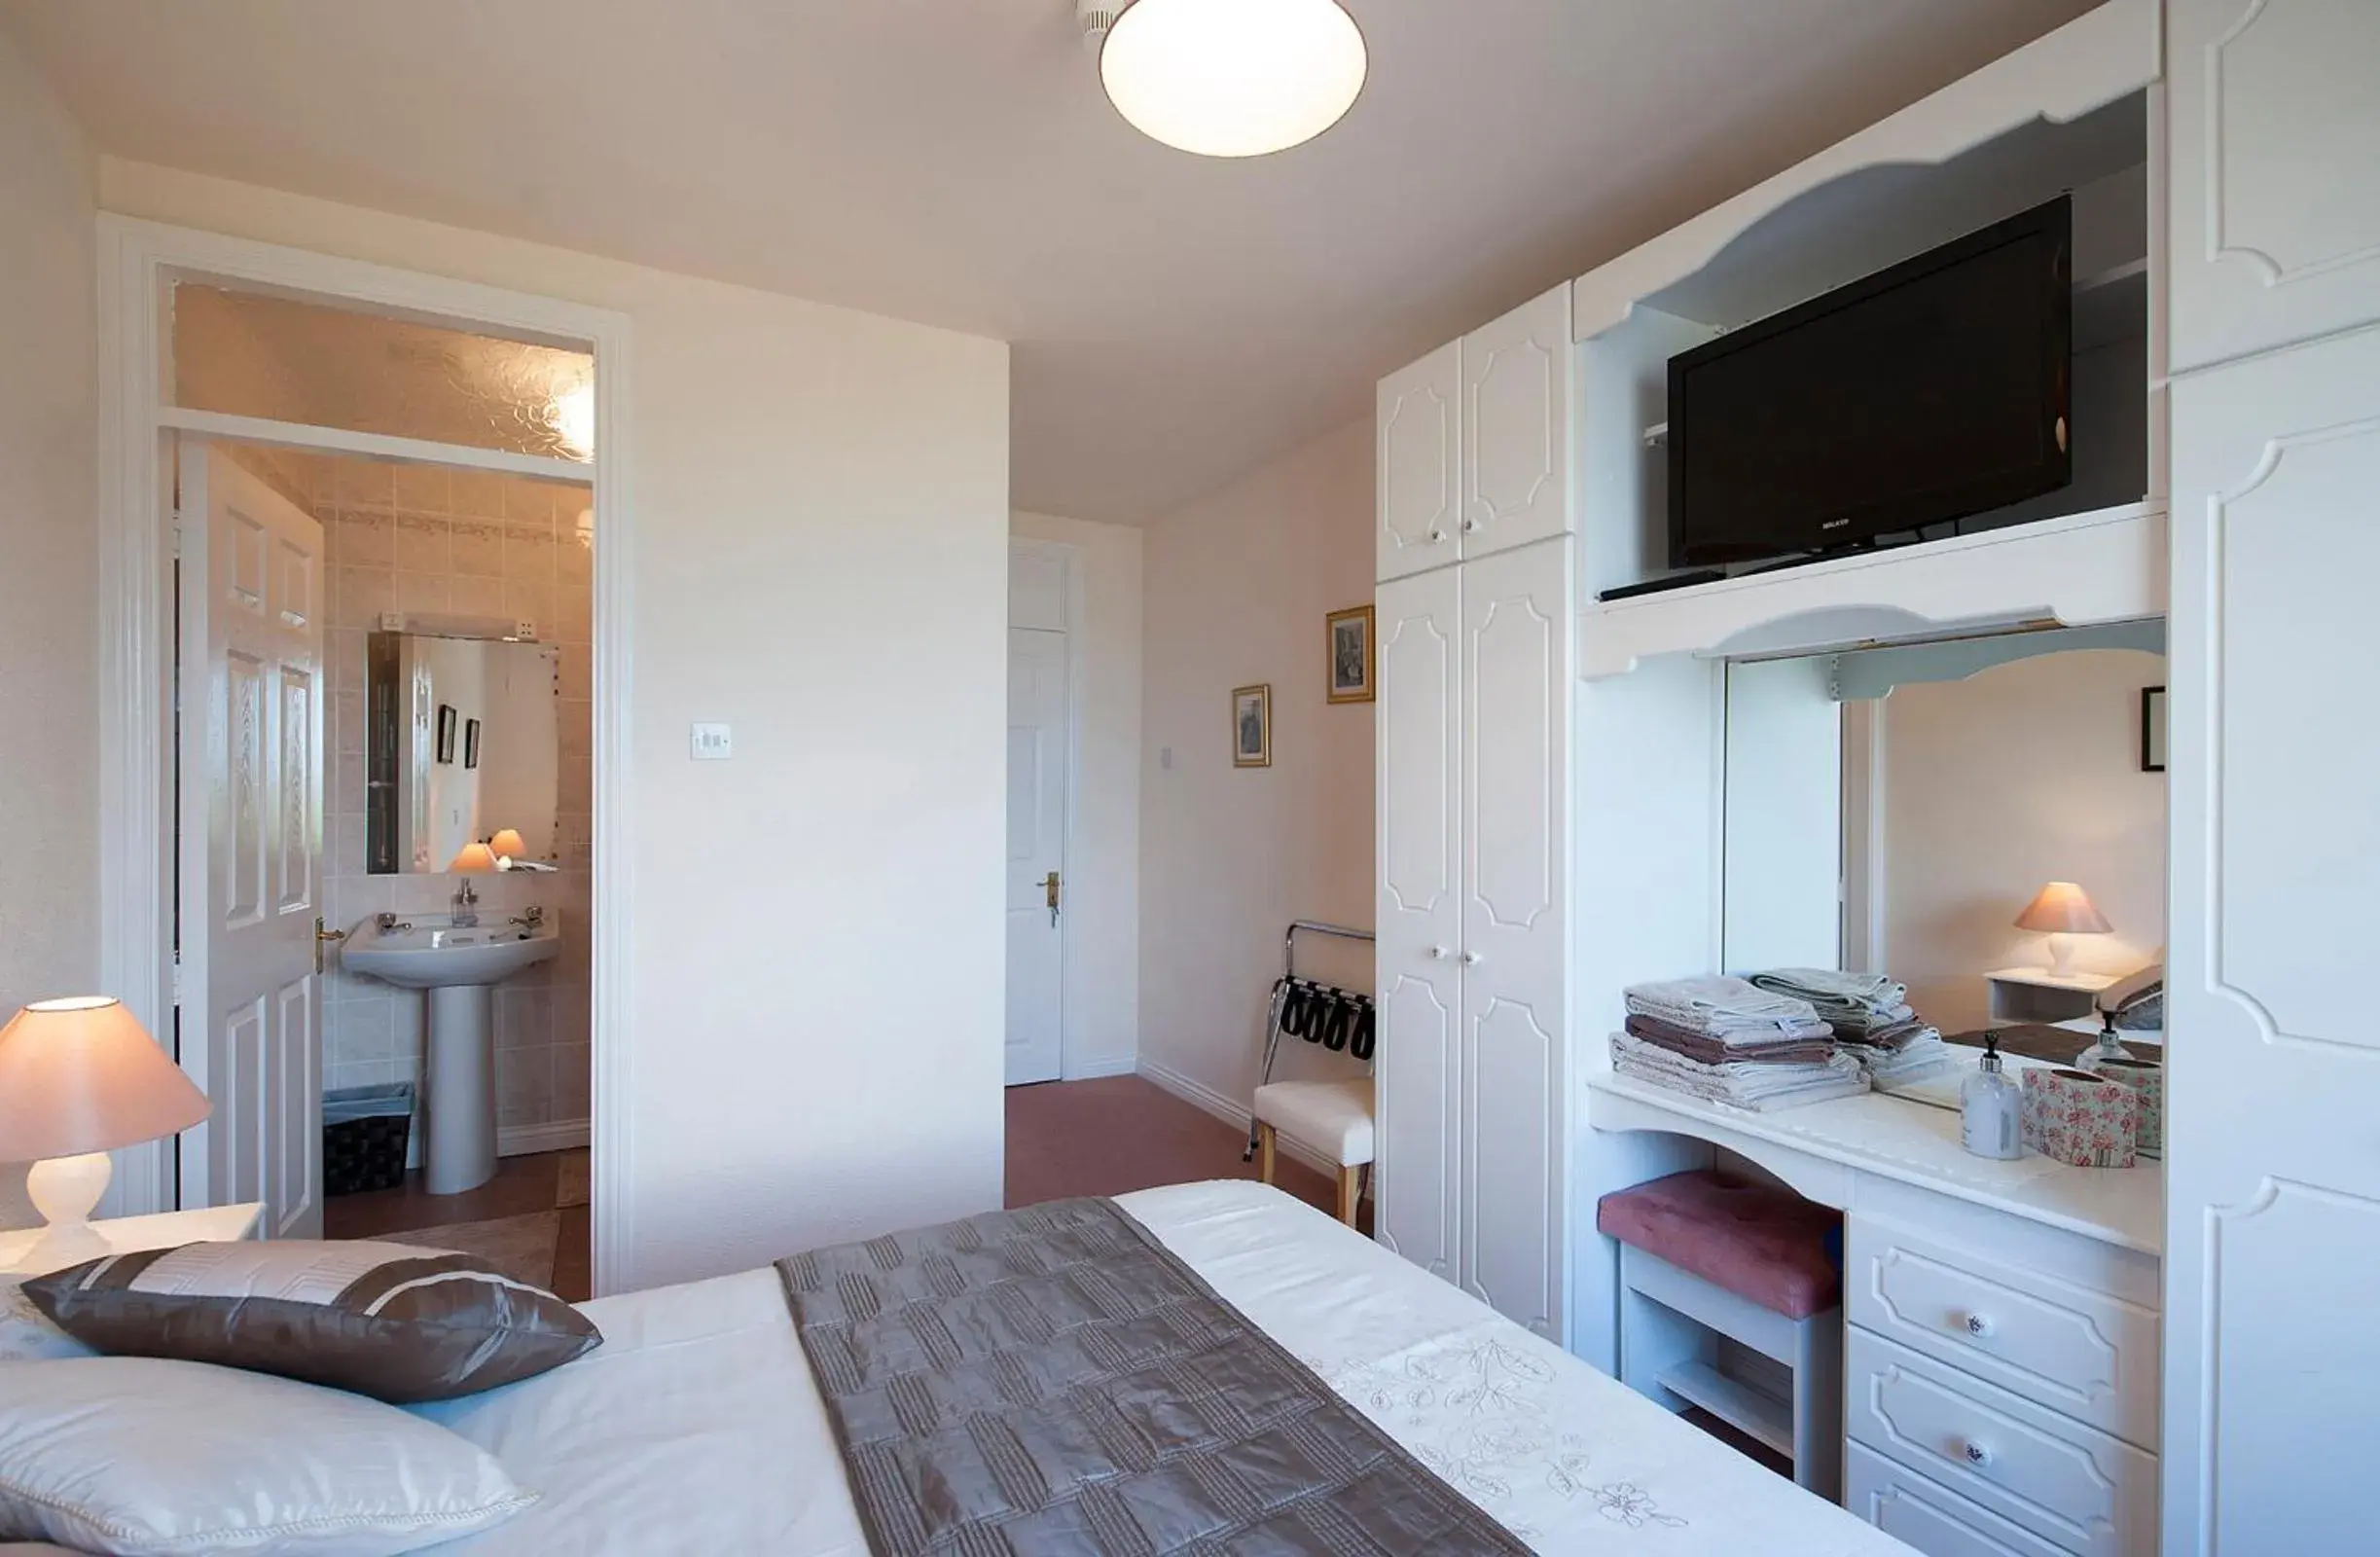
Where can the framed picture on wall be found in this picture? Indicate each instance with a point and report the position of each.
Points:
(471, 743)
(446, 731)
(1351, 659)
(1251, 727)
(2152, 729)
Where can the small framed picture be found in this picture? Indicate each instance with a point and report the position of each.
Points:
(1351, 655)
(471, 743)
(2152, 729)
(1251, 727)
(446, 731)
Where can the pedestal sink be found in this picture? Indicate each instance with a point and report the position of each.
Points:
(459, 965)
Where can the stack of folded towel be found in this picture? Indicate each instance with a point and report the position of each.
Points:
(1724, 1040)
(1869, 1015)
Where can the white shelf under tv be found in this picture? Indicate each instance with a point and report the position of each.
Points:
(2078, 570)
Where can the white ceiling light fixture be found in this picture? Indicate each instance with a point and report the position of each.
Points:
(1228, 78)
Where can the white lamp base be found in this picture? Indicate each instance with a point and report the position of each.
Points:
(2062, 956)
(66, 1190)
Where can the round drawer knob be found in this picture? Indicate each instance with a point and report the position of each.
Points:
(1437, 536)
(1978, 1455)
(1978, 1327)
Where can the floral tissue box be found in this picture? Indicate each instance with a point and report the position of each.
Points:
(2076, 1117)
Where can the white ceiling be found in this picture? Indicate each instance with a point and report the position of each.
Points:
(1175, 322)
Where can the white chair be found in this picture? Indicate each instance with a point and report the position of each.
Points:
(1331, 1117)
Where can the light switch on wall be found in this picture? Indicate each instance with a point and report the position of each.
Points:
(713, 743)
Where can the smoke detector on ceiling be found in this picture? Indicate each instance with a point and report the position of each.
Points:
(1095, 18)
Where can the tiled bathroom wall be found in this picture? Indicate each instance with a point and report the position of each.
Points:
(457, 543)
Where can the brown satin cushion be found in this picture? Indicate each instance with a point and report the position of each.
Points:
(392, 1320)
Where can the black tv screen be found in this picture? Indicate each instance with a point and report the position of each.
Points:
(1925, 393)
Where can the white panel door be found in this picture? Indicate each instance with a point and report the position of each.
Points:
(2275, 114)
(1420, 917)
(1420, 474)
(251, 842)
(1516, 427)
(1036, 851)
(2272, 1247)
(1516, 680)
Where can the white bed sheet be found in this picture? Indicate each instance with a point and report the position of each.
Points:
(695, 1428)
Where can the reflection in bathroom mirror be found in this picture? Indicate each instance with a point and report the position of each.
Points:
(463, 761)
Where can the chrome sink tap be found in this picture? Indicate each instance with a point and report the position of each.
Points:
(465, 911)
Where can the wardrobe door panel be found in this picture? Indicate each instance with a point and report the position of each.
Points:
(2272, 1159)
(1419, 471)
(2275, 157)
(1516, 427)
(1517, 677)
(1419, 916)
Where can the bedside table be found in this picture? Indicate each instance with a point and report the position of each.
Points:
(125, 1235)
(2037, 994)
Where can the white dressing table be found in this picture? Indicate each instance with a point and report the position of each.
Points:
(2003, 1320)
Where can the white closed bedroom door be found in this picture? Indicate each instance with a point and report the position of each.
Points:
(252, 726)
(1036, 850)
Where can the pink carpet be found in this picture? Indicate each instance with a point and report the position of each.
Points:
(1119, 1134)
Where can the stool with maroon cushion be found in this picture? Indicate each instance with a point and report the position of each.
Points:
(1706, 1256)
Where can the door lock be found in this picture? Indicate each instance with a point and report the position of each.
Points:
(1049, 890)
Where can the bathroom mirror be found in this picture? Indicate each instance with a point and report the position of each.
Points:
(461, 752)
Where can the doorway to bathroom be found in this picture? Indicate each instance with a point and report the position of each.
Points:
(378, 746)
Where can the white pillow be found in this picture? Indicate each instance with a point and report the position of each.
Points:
(26, 1334)
(157, 1459)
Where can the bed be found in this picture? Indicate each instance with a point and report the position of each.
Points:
(696, 1427)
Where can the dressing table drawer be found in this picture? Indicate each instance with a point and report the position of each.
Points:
(1928, 1516)
(2077, 1488)
(2071, 1348)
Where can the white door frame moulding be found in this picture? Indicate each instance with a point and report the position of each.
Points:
(1070, 559)
(138, 260)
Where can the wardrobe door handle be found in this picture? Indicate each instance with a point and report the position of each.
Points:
(1437, 536)
(1473, 960)
(1439, 954)
(1470, 526)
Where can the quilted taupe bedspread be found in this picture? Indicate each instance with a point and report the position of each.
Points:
(1054, 1380)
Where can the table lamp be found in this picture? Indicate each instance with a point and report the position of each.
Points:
(2063, 910)
(78, 1078)
(474, 858)
(508, 843)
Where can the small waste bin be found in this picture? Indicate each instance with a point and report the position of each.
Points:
(365, 1131)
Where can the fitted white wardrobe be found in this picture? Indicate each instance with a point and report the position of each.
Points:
(2261, 282)
(1476, 617)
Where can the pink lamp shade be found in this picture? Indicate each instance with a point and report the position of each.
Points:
(2063, 909)
(474, 858)
(80, 1076)
(508, 843)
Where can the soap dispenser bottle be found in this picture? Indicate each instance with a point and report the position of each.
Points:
(1991, 1105)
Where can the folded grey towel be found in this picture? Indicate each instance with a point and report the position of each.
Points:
(1834, 993)
(1723, 1007)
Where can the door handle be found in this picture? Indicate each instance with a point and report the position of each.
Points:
(1049, 892)
(320, 936)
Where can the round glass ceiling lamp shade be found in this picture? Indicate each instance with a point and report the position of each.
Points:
(1234, 78)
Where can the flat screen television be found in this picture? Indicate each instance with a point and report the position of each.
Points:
(1926, 392)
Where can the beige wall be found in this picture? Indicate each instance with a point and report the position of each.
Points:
(1239, 584)
(1103, 975)
(820, 499)
(48, 558)
(2027, 773)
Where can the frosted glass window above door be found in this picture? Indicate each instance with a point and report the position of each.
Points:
(248, 354)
